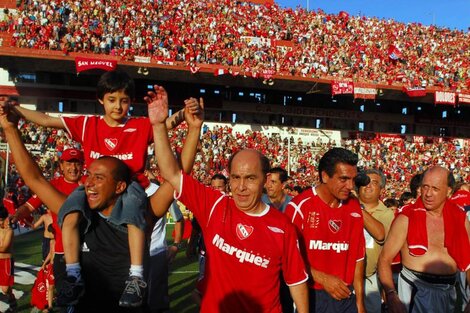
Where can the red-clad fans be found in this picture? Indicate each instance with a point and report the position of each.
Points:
(461, 196)
(332, 227)
(71, 166)
(398, 157)
(7, 276)
(248, 243)
(259, 40)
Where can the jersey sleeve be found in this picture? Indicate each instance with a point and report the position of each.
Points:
(34, 202)
(198, 198)
(358, 240)
(75, 127)
(293, 266)
(295, 214)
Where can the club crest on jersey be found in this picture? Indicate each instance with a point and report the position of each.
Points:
(244, 231)
(334, 225)
(110, 143)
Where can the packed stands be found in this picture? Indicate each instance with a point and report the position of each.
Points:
(248, 39)
(398, 157)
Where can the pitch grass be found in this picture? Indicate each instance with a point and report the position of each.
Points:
(183, 272)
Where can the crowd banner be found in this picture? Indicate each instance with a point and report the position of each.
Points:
(84, 64)
(220, 71)
(444, 97)
(257, 41)
(364, 91)
(342, 87)
(140, 59)
(464, 98)
(394, 52)
(413, 92)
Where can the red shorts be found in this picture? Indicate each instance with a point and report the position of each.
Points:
(7, 277)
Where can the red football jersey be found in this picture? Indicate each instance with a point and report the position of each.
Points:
(245, 253)
(461, 198)
(333, 237)
(127, 142)
(34, 202)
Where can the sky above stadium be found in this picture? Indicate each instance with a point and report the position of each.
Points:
(453, 14)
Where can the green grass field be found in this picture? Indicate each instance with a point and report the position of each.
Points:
(27, 250)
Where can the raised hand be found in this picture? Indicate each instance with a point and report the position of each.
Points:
(157, 102)
(194, 112)
(6, 104)
(8, 118)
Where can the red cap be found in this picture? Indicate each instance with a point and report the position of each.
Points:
(72, 154)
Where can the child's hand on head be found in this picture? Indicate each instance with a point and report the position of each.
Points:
(157, 102)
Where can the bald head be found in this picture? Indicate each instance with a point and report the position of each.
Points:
(248, 169)
(250, 154)
(436, 186)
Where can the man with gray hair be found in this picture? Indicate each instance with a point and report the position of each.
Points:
(377, 221)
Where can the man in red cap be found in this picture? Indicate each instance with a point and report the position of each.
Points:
(71, 167)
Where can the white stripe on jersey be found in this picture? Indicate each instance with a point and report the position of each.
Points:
(84, 127)
(213, 208)
(297, 209)
(69, 134)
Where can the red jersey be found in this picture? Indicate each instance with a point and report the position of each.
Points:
(128, 141)
(333, 237)
(461, 198)
(34, 202)
(245, 253)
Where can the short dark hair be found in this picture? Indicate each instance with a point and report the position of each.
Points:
(451, 180)
(391, 202)
(264, 161)
(298, 189)
(334, 156)
(282, 173)
(415, 183)
(121, 171)
(3, 212)
(113, 81)
(405, 197)
(219, 176)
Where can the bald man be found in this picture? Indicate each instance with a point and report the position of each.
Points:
(247, 241)
(430, 266)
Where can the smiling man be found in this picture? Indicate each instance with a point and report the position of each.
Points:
(275, 194)
(331, 224)
(248, 243)
(71, 167)
(105, 251)
(377, 221)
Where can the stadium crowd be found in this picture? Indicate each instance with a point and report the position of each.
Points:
(398, 158)
(261, 39)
